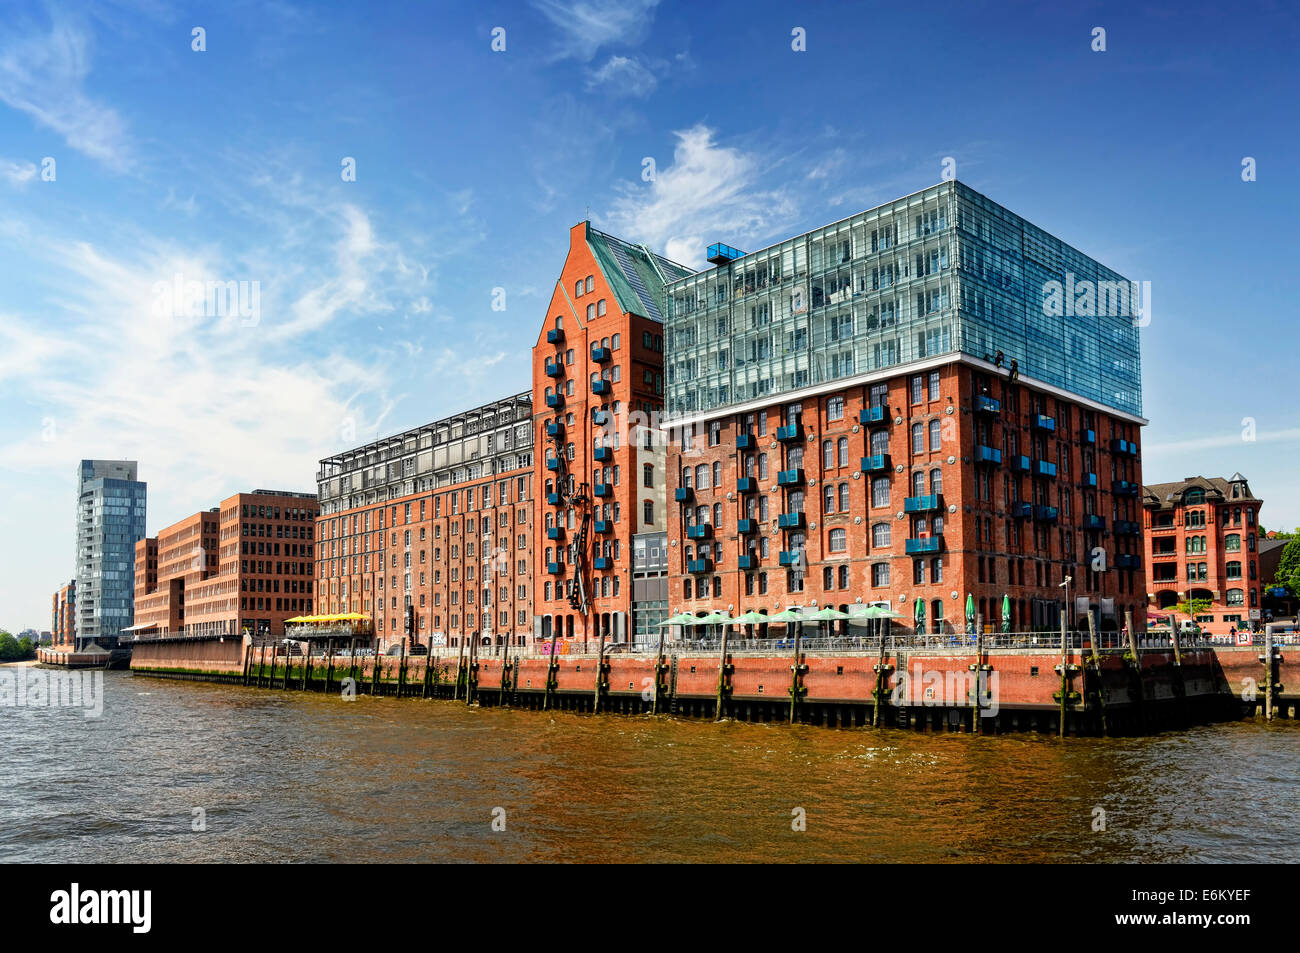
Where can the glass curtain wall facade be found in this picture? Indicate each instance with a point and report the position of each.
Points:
(110, 520)
(942, 271)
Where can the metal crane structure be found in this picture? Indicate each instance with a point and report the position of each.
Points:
(576, 500)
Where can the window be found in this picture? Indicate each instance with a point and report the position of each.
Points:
(917, 384)
(934, 385)
(880, 534)
(842, 451)
(648, 475)
(880, 491)
(935, 435)
(880, 574)
(648, 512)
(844, 497)
(828, 454)
(839, 540)
(828, 499)
(918, 438)
(577, 289)
(936, 481)
(1232, 543)
(835, 408)
(1236, 597)
(591, 284)
(600, 307)
(591, 312)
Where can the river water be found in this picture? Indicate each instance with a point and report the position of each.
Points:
(286, 776)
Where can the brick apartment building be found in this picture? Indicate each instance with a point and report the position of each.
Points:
(1201, 540)
(244, 566)
(435, 526)
(597, 397)
(63, 617)
(884, 411)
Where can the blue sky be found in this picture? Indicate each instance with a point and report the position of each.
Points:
(376, 295)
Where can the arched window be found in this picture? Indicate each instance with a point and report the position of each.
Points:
(879, 442)
(844, 497)
(1236, 597)
(880, 533)
(1232, 542)
(918, 438)
(828, 454)
(918, 483)
(935, 434)
(828, 498)
(842, 448)
(839, 540)
(936, 481)
(702, 477)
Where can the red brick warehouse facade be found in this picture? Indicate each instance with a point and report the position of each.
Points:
(63, 616)
(434, 525)
(597, 397)
(884, 411)
(242, 567)
(1201, 535)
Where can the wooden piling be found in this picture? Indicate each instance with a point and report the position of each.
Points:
(796, 664)
(601, 682)
(723, 687)
(552, 674)
(659, 672)
(1096, 669)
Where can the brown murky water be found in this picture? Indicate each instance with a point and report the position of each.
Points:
(295, 777)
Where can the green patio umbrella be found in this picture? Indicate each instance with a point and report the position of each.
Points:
(920, 617)
(970, 614)
(682, 618)
(752, 618)
(1006, 613)
(827, 614)
(789, 615)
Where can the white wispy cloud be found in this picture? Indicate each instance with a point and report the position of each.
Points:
(623, 76)
(1231, 439)
(16, 172)
(710, 192)
(43, 74)
(584, 26)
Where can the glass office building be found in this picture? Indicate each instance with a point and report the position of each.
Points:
(942, 271)
(110, 520)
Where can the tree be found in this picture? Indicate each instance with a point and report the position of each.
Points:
(1193, 607)
(1288, 568)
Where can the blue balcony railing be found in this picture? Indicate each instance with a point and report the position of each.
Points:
(922, 504)
(601, 527)
(790, 477)
(746, 526)
(699, 565)
(877, 463)
(555, 568)
(700, 531)
(1089, 436)
(1019, 462)
(987, 405)
(600, 354)
(1093, 521)
(603, 453)
(602, 562)
(790, 520)
(601, 387)
(928, 544)
(553, 499)
(747, 562)
(787, 433)
(791, 557)
(554, 400)
(1043, 468)
(1090, 479)
(745, 441)
(1046, 514)
(555, 532)
(554, 369)
(1022, 511)
(554, 429)
(746, 485)
(553, 464)
(683, 494)
(1124, 446)
(555, 336)
(1124, 488)
(1044, 422)
(600, 417)
(1126, 561)
(602, 489)
(1128, 528)
(873, 415)
(987, 455)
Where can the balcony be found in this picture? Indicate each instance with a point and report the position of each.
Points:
(788, 433)
(552, 499)
(1044, 469)
(1089, 436)
(602, 489)
(602, 562)
(927, 544)
(1022, 511)
(987, 455)
(603, 453)
(922, 504)
(683, 494)
(601, 387)
(1094, 522)
(600, 417)
(555, 429)
(746, 526)
(600, 527)
(878, 463)
(1126, 561)
(1165, 554)
(700, 531)
(555, 400)
(554, 369)
(792, 557)
(790, 477)
(555, 336)
(555, 568)
(699, 565)
(1128, 528)
(1090, 480)
(600, 355)
(790, 520)
(553, 464)
(1046, 514)
(747, 562)
(746, 485)
(1124, 446)
(1019, 463)
(1044, 423)
(555, 532)
(1124, 488)
(987, 405)
(745, 441)
(874, 415)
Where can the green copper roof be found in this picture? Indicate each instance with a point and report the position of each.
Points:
(636, 274)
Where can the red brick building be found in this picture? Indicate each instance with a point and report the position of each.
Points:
(928, 483)
(63, 617)
(244, 566)
(433, 529)
(597, 396)
(1202, 534)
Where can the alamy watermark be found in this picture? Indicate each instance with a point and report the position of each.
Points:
(1085, 298)
(47, 688)
(212, 299)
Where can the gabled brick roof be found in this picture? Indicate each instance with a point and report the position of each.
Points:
(1217, 490)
